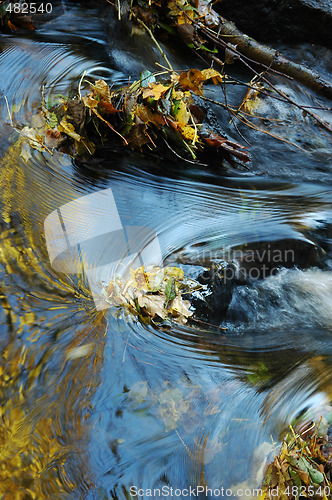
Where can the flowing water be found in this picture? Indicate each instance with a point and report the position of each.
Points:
(92, 404)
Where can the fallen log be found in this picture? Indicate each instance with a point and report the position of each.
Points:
(271, 58)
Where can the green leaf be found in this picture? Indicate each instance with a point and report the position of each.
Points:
(176, 105)
(202, 47)
(53, 120)
(316, 476)
(170, 291)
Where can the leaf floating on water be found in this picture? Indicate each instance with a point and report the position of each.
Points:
(151, 294)
(153, 304)
(53, 138)
(35, 140)
(172, 407)
(146, 114)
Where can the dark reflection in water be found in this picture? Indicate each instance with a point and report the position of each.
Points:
(92, 404)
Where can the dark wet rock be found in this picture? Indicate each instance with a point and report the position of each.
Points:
(322, 235)
(262, 259)
(281, 20)
(212, 302)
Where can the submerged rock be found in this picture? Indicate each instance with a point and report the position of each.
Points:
(212, 301)
(262, 259)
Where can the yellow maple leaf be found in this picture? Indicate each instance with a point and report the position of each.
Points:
(174, 272)
(139, 279)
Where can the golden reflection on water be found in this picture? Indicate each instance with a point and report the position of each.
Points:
(52, 352)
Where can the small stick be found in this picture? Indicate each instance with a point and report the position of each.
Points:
(155, 41)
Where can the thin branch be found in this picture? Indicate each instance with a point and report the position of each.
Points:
(155, 41)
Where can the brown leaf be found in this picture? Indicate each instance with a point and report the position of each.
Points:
(148, 116)
(11, 26)
(53, 138)
(212, 73)
(24, 22)
(108, 107)
(154, 304)
(186, 31)
(236, 149)
(192, 80)
(76, 110)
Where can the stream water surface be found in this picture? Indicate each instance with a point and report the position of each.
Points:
(92, 404)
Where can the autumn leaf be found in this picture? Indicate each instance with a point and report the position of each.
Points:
(251, 100)
(68, 128)
(155, 91)
(180, 308)
(174, 272)
(154, 305)
(188, 133)
(236, 149)
(34, 139)
(180, 111)
(145, 114)
(108, 107)
(210, 73)
(194, 79)
(101, 88)
(151, 293)
(90, 102)
(53, 138)
(139, 279)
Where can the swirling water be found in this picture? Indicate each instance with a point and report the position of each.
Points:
(93, 404)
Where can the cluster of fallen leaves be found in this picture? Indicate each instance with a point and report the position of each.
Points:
(185, 19)
(154, 294)
(303, 467)
(148, 115)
